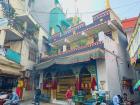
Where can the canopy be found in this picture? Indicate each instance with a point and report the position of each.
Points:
(74, 58)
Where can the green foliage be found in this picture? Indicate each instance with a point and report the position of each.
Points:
(53, 51)
(82, 42)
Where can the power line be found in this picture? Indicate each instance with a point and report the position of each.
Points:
(87, 12)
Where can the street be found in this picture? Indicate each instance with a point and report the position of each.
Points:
(69, 52)
(30, 103)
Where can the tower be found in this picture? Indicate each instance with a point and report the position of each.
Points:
(107, 4)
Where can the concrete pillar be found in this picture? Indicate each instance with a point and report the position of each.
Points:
(2, 37)
(64, 48)
(1, 11)
(41, 81)
(101, 36)
(76, 71)
(53, 91)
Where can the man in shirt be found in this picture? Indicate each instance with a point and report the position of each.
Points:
(13, 98)
(116, 100)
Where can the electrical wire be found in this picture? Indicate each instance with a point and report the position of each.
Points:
(87, 12)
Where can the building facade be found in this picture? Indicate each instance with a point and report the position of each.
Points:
(128, 26)
(87, 57)
(134, 48)
(21, 42)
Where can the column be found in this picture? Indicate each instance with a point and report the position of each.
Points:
(41, 81)
(76, 71)
(2, 37)
(64, 48)
(1, 11)
(54, 86)
(101, 36)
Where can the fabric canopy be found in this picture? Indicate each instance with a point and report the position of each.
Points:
(10, 72)
(75, 58)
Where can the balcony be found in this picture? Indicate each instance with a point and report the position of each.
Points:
(92, 46)
(78, 28)
(101, 22)
(10, 55)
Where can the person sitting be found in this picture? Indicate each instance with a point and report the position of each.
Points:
(13, 98)
(116, 100)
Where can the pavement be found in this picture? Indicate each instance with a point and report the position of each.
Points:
(138, 104)
(30, 103)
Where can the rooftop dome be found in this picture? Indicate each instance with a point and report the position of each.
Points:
(56, 17)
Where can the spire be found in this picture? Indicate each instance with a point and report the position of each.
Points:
(107, 4)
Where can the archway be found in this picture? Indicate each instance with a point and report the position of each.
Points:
(85, 78)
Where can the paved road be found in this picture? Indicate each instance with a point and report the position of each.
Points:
(30, 103)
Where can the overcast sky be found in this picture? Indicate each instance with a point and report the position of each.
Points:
(87, 8)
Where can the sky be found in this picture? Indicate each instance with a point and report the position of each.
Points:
(87, 8)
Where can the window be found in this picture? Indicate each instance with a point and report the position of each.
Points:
(109, 34)
(32, 54)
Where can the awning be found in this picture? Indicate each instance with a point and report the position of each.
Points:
(9, 69)
(9, 72)
(75, 58)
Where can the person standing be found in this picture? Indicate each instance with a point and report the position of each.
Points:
(37, 96)
(68, 96)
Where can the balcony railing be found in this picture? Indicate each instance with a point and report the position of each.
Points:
(11, 55)
(69, 32)
(75, 51)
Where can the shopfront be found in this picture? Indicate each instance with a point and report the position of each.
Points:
(7, 82)
(80, 76)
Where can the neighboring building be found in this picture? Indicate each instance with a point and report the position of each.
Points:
(128, 26)
(134, 48)
(86, 56)
(21, 44)
(40, 9)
